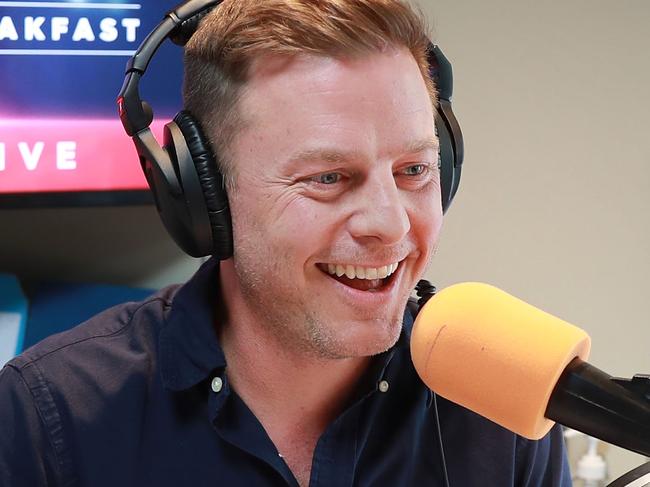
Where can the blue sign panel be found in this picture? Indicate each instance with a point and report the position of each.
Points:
(66, 58)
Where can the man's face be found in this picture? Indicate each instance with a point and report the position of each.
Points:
(336, 171)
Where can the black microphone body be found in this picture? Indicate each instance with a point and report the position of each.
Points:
(589, 400)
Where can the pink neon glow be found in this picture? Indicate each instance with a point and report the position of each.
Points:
(38, 155)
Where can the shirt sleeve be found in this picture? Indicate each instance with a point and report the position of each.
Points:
(26, 456)
(543, 463)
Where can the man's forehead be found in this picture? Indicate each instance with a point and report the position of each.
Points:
(308, 68)
(322, 109)
(311, 84)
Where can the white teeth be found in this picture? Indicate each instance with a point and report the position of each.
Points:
(358, 272)
(350, 271)
(371, 273)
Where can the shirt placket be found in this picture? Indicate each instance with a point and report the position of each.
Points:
(335, 454)
(235, 423)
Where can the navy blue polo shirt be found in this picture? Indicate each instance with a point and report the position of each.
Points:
(139, 395)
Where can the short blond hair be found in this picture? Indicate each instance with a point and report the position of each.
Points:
(219, 55)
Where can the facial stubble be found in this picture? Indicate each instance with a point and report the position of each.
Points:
(297, 325)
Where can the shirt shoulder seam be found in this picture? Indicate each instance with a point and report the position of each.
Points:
(127, 322)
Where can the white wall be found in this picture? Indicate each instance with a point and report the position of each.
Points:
(554, 101)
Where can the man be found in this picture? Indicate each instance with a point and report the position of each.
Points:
(287, 364)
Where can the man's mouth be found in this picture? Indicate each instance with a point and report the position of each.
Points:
(371, 279)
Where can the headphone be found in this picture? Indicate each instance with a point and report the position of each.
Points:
(187, 186)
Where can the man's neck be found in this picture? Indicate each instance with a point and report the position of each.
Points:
(294, 394)
(277, 381)
(274, 382)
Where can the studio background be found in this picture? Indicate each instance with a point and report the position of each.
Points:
(554, 105)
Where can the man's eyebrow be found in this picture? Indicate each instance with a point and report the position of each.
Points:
(337, 156)
(323, 154)
(429, 143)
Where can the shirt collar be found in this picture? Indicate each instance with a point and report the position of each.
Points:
(383, 367)
(189, 350)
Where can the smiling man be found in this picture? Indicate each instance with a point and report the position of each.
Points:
(288, 363)
(332, 175)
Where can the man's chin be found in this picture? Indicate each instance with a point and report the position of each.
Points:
(362, 339)
(380, 346)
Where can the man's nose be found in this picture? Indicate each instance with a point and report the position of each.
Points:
(379, 211)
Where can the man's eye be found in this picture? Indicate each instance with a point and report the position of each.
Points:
(415, 170)
(327, 178)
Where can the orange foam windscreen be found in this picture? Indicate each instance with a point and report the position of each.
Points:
(494, 354)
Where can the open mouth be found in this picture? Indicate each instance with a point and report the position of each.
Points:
(371, 279)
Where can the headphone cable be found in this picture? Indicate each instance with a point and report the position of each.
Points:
(442, 449)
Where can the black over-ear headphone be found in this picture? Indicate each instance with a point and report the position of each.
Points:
(183, 174)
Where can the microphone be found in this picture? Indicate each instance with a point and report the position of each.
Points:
(523, 368)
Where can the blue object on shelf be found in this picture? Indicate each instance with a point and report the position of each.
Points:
(13, 317)
(56, 307)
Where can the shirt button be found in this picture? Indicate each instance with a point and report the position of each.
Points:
(383, 386)
(217, 384)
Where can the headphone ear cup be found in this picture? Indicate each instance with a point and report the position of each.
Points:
(212, 185)
(446, 163)
(177, 191)
(449, 133)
